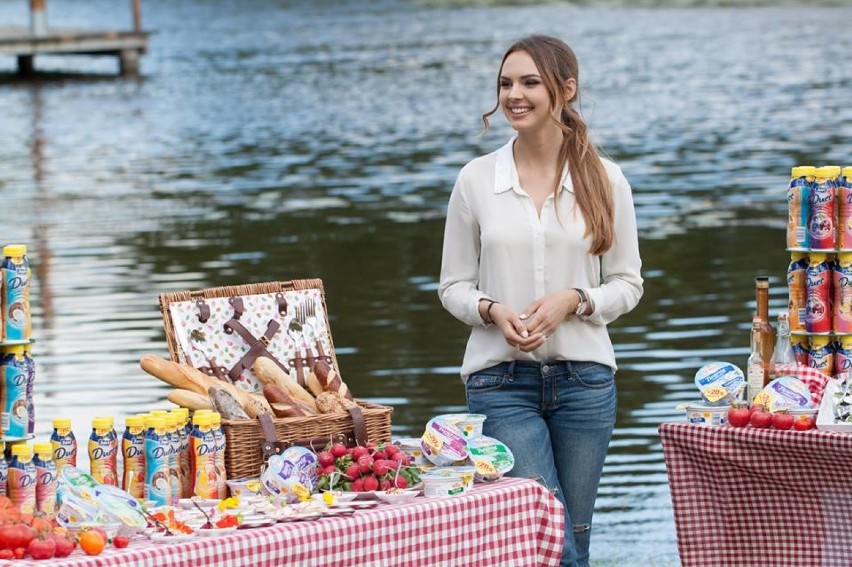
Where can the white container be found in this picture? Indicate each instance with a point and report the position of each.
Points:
(443, 483)
(700, 414)
(491, 458)
(469, 423)
(443, 443)
(246, 487)
(411, 447)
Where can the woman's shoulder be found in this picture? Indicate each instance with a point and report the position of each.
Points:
(479, 170)
(614, 173)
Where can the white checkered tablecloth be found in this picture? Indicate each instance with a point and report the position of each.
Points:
(747, 497)
(510, 522)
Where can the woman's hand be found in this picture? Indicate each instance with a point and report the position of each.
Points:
(513, 328)
(544, 316)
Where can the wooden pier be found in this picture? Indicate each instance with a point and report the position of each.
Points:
(40, 39)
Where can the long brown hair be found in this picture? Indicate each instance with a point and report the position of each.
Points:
(557, 63)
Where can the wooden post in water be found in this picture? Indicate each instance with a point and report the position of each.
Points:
(137, 15)
(38, 19)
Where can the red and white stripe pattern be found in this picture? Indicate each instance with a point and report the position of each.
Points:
(508, 522)
(744, 496)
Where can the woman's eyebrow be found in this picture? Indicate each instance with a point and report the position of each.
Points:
(533, 76)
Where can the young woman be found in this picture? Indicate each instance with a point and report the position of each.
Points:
(540, 254)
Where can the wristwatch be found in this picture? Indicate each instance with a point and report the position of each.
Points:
(584, 302)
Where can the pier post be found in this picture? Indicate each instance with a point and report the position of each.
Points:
(128, 61)
(137, 16)
(38, 19)
(25, 65)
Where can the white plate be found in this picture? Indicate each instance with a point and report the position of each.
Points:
(397, 497)
(161, 538)
(203, 502)
(256, 523)
(214, 532)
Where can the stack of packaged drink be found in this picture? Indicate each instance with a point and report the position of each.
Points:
(819, 276)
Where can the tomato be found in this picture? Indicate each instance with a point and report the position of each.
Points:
(64, 545)
(92, 542)
(13, 536)
(6, 554)
(19, 553)
(42, 548)
(803, 423)
(782, 421)
(120, 541)
(755, 407)
(738, 416)
(761, 419)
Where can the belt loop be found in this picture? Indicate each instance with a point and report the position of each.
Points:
(510, 371)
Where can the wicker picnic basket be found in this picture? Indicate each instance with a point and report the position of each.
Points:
(190, 314)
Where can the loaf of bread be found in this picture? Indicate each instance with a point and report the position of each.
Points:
(272, 373)
(330, 380)
(226, 404)
(313, 384)
(332, 402)
(282, 403)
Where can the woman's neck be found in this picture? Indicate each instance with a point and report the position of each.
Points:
(538, 149)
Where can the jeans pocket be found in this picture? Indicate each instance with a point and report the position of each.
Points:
(481, 382)
(593, 375)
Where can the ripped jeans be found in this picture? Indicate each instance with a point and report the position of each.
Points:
(557, 418)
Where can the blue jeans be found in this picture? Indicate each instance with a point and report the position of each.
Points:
(557, 418)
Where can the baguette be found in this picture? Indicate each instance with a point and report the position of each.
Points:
(190, 400)
(264, 366)
(313, 383)
(331, 380)
(178, 375)
(283, 410)
(276, 396)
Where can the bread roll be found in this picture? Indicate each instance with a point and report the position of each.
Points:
(271, 371)
(331, 380)
(314, 384)
(226, 404)
(332, 402)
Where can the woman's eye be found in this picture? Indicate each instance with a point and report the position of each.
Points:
(531, 82)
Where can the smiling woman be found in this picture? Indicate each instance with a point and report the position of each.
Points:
(540, 253)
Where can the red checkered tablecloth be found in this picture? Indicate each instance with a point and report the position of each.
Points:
(748, 497)
(510, 522)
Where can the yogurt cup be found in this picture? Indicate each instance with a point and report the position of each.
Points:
(701, 414)
(491, 458)
(469, 423)
(443, 443)
(411, 447)
(443, 483)
(246, 487)
(467, 473)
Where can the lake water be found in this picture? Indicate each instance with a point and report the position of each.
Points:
(280, 140)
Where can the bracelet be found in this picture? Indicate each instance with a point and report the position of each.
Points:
(488, 318)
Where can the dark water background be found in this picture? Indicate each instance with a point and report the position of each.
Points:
(272, 140)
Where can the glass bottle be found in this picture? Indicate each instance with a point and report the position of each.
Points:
(755, 369)
(783, 362)
(767, 333)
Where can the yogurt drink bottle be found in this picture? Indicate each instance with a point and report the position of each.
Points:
(842, 304)
(843, 356)
(844, 210)
(46, 479)
(821, 356)
(22, 479)
(64, 444)
(103, 451)
(799, 344)
(799, 206)
(157, 475)
(797, 287)
(14, 418)
(133, 452)
(203, 454)
(219, 437)
(4, 469)
(173, 440)
(822, 226)
(818, 311)
(15, 299)
(31, 372)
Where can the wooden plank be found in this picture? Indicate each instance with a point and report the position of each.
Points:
(18, 41)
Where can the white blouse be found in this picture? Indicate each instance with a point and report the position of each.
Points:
(497, 247)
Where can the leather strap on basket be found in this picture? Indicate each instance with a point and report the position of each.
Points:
(258, 346)
(270, 445)
(203, 310)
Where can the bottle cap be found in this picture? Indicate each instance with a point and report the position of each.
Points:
(202, 418)
(101, 423)
(62, 423)
(217, 418)
(171, 421)
(847, 172)
(23, 451)
(802, 171)
(14, 349)
(819, 341)
(134, 421)
(796, 256)
(817, 258)
(844, 257)
(828, 171)
(42, 449)
(14, 250)
(156, 422)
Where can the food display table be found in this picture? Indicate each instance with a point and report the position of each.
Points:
(746, 496)
(508, 522)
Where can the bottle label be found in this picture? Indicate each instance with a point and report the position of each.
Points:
(16, 300)
(15, 410)
(818, 313)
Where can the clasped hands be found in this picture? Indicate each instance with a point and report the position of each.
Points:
(529, 329)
